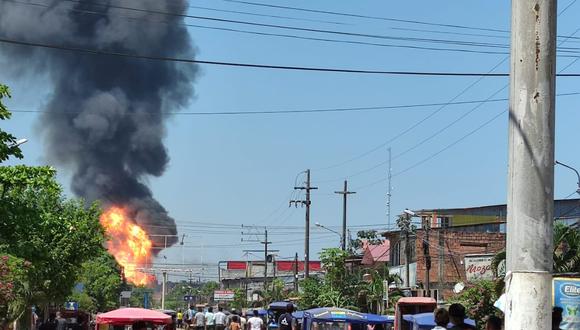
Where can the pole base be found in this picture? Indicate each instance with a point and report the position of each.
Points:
(528, 300)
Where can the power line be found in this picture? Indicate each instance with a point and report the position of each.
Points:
(181, 15)
(367, 16)
(390, 19)
(292, 111)
(286, 27)
(74, 10)
(257, 66)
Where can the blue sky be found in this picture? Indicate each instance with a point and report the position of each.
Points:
(241, 169)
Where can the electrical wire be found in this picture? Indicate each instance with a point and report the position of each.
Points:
(256, 66)
(366, 16)
(286, 27)
(271, 34)
(390, 19)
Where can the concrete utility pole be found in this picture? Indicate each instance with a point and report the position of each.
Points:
(426, 254)
(389, 189)
(163, 290)
(265, 258)
(344, 194)
(253, 234)
(296, 272)
(406, 227)
(530, 204)
(306, 203)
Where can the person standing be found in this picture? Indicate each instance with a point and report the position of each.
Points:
(457, 317)
(493, 323)
(60, 322)
(220, 319)
(441, 318)
(190, 316)
(243, 321)
(255, 322)
(210, 319)
(179, 318)
(235, 323)
(199, 319)
(50, 324)
(286, 321)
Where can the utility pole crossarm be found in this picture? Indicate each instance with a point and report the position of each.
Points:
(306, 202)
(344, 194)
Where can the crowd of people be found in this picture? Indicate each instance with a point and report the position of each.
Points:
(197, 319)
(456, 316)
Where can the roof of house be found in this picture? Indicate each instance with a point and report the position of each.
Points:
(376, 253)
(563, 208)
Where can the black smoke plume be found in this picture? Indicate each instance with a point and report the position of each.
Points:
(105, 117)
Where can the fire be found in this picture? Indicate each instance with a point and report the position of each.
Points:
(129, 244)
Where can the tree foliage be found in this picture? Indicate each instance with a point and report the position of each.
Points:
(101, 280)
(240, 299)
(13, 288)
(54, 234)
(478, 298)
(370, 236)
(566, 254)
(7, 140)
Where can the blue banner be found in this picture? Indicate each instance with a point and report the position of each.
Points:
(566, 294)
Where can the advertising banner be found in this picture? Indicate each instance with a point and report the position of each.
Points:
(223, 295)
(566, 294)
(478, 267)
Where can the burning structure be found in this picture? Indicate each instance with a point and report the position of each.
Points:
(104, 120)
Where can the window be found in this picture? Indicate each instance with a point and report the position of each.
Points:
(396, 254)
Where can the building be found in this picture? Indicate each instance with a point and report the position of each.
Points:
(458, 244)
(375, 255)
(249, 275)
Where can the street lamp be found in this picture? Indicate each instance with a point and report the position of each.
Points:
(18, 142)
(575, 171)
(330, 230)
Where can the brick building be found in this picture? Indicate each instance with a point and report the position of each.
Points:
(461, 243)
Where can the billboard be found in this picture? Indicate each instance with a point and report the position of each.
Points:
(223, 295)
(478, 267)
(566, 294)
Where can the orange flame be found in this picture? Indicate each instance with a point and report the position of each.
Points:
(129, 244)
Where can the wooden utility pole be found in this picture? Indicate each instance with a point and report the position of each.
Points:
(306, 203)
(530, 204)
(344, 194)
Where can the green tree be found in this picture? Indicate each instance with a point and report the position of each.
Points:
(371, 236)
(371, 292)
(240, 299)
(138, 296)
(311, 289)
(8, 145)
(102, 283)
(13, 288)
(478, 298)
(275, 292)
(174, 298)
(207, 290)
(39, 225)
(566, 254)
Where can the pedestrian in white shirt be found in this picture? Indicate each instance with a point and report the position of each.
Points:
(255, 322)
(220, 319)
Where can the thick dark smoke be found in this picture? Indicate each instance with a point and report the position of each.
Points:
(105, 117)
